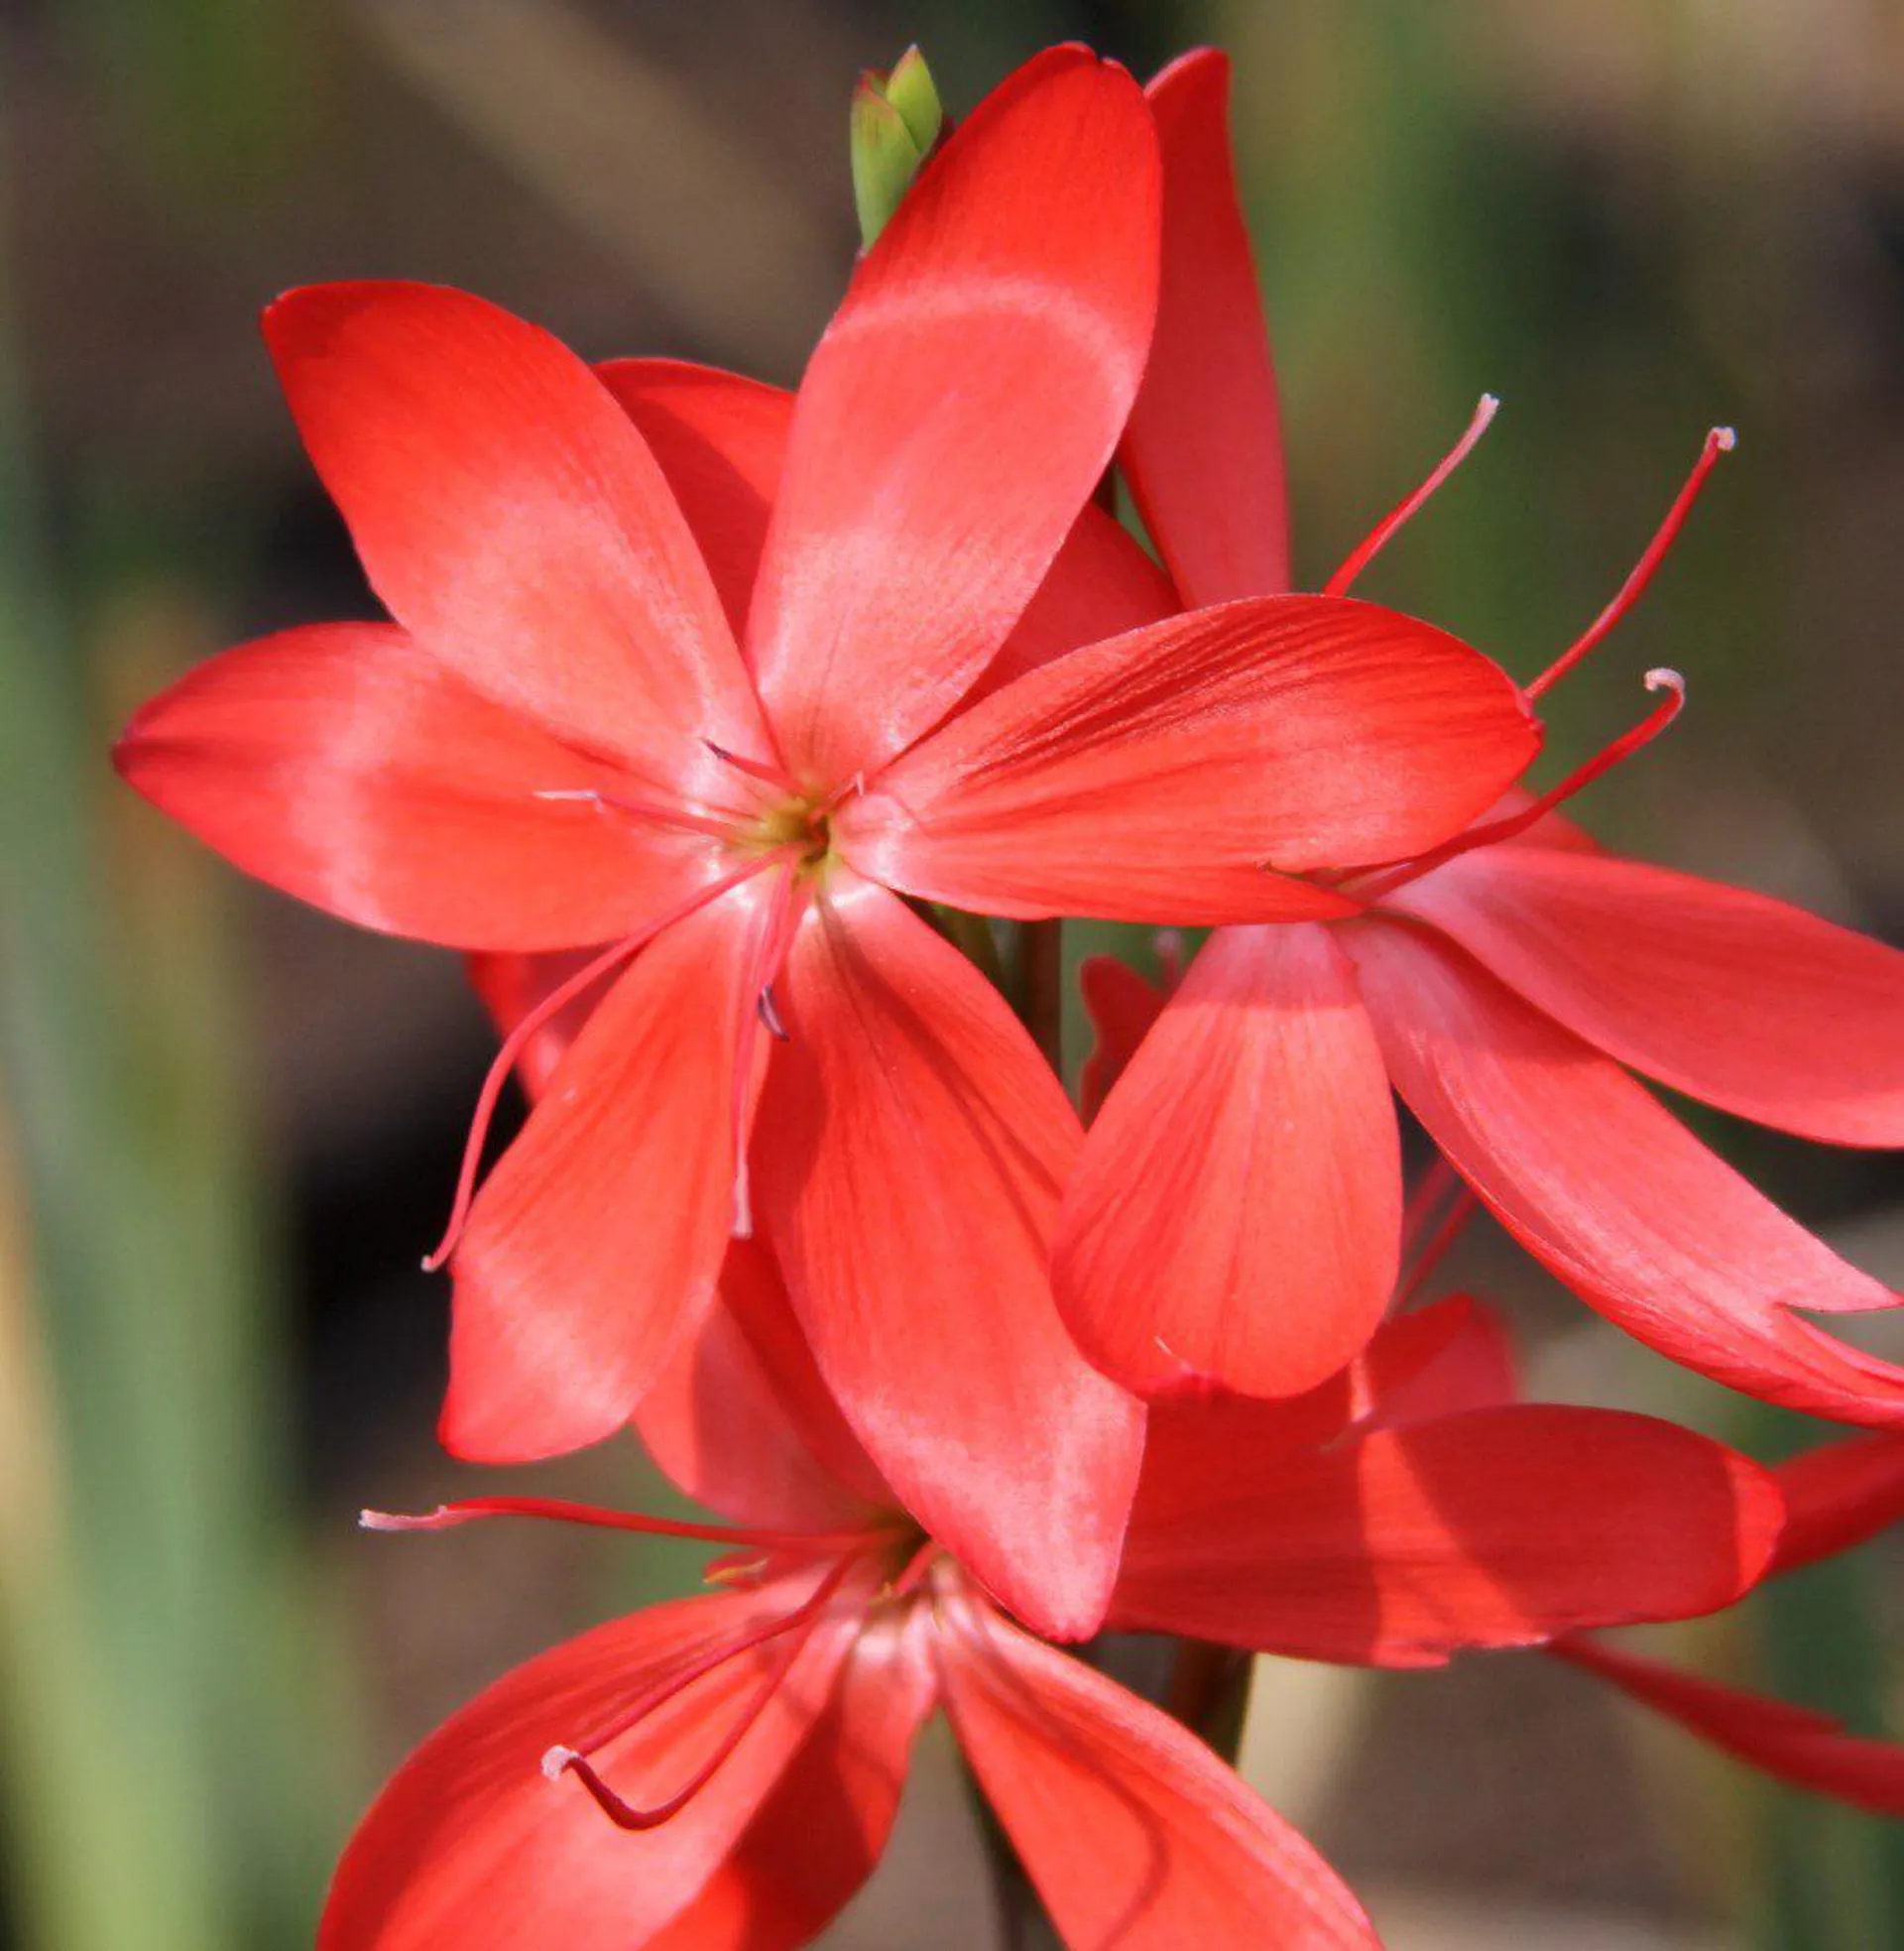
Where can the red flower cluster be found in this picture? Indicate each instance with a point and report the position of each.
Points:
(697, 697)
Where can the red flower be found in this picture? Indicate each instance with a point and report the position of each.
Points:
(1501, 982)
(561, 744)
(726, 1769)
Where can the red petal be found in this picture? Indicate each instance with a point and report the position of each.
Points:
(1839, 1496)
(1153, 777)
(912, 1147)
(1101, 585)
(1204, 449)
(1135, 1833)
(1393, 1380)
(1499, 1527)
(1235, 1216)
(721, 440)
(511, 515)
(1808, 1750)
(816, 1838)
(1470, 1365)
(597, 1240)
(1758, 1008)
(740, 1421)
(470, 1843)
(342, 763)
(1121, 1005)
(1603, 1185)
(958, 413)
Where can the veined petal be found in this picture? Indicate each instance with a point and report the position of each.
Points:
(1795, 1744)
(471, 1844)
(1468, 1364)
(1235, 1216)
(912, 1147)
(514, 520)
(1751, 1004)
(597, 1241)
(1839, 1496)
(721, 441)
(1179, 772)
(740, 1421)
(816, 1837)
(1101, 584)
(958, 413)
(1431, 1363)
(344, 764)
(1121, 1005)
(1497, 1527)
(1136, 1836)
(1604, 1186)
(1202, 452)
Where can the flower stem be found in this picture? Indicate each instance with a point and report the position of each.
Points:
(1040, 997)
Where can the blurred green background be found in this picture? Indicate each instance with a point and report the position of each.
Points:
(228, 1128)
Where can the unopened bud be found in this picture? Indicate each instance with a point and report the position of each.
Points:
(895, 120)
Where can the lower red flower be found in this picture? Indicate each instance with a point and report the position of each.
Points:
(725, 1768)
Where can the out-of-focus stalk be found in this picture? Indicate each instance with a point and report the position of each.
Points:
(164, 1766)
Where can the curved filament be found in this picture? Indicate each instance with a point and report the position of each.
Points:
(1405, 511)
(1720, 440)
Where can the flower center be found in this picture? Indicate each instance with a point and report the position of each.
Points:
(804, 821)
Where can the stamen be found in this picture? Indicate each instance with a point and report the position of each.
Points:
(564, 1759)
(921, 1563)
(1431, 1190)
(1404, 512)
(446, 1517)
(763, 770)
(1453, 1223)
(770, 1013)
(1720, 440)
(770, 946)
(677, 818)
(1504, 828)
(550, 1006)
(625, 1815)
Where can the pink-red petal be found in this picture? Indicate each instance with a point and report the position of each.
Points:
(1603, 1184)
(596, 1242)
(1839, 1496)
(1101, 584)
(721, 441)
(344, 764)
(958, 413)
(1234, 1219)
(1121, 1005)
(1795, 1744)
(1136, 1836)
(514, 520)
(1749, 1004)
(1202, 452)
(912, 1146)
(740, 1418)
(471, 1844)
(1497, 1527)
(1181, 773)
(1433, 1362)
